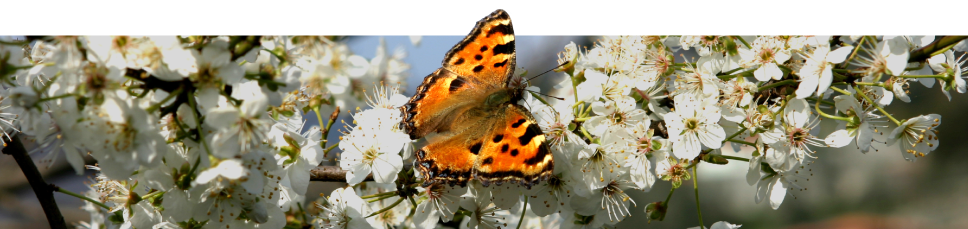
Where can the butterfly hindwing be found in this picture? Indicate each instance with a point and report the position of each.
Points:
(446, 161)
(515, 151)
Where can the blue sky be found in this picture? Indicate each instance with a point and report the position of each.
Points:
(535, 53)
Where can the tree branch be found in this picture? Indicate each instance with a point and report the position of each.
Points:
(45, 195)
(331, 173)
(336, 174)
(928, 50)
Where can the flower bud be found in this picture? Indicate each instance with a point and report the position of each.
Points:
(715, 159)
(655, 211)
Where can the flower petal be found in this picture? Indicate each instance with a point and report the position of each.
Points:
(808, 85)
(687, 147)
(777, 193)
(712, 136)
(839, 138)
(753, 173)
(386, 167)
(864, 137)
(763, 188)
(840, 54)
(357, 173)
(299, 176)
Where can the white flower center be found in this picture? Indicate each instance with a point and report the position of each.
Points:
(766, 55)
(645, 145)
(370, 155)
(692, 124)
(95, 78)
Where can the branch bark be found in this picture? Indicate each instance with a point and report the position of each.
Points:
(336, 174)
(939, 44)
(331, 173)
(44, 192)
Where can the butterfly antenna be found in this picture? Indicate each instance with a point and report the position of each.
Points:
(549, 70)
(546, 95)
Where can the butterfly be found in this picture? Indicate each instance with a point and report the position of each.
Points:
(470, 114)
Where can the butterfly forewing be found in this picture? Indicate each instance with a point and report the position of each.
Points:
(487, 53)
(438, 99)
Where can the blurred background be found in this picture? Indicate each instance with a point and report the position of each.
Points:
(847, 189)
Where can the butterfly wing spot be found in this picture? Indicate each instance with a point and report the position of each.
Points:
(487, 161)
(539, 157)
(427, 164)
(478, 68)
(455, 84)
(483, 48)
(478, 57)
(476, 148)
(459, 61)
(504, 148)
(514, 152)
(529, 134)
(500, 28)
(498, 65)
(518, 124)
(505, 48)
(498, 138)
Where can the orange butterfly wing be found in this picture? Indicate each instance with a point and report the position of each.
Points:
(482, 62)
(487, 53)
(438, 98)
(506, 146)
(515, 151)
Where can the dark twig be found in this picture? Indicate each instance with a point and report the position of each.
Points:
(331, 173)
(44, 192)
(336, 174)
(929, 50)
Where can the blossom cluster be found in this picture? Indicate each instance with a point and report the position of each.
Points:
(630, 113)
(187, 131)
(209, 131)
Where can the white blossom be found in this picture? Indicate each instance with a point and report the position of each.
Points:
(343, 209)
(917, 136)
(693, 122)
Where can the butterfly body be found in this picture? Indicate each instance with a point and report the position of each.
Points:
(470, 114)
